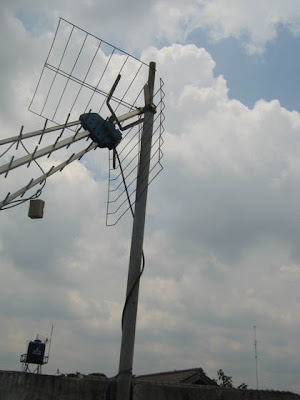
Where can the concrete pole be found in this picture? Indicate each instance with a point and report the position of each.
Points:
(129, 321)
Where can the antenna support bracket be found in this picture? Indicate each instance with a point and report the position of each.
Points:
(150, 107)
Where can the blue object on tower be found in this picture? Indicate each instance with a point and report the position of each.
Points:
(35, 352)
(101, 131)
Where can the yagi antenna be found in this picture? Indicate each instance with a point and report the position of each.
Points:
(88, 90)
(92, 91)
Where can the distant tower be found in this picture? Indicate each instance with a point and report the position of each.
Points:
(36, 354)
(255, 350)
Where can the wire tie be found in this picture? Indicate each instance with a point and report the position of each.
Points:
(42, 134)
(55, 143)
(9, 165)
(53, 147)
(76, 133)
(27, 187)
(65, 125)
(69, 159)
(7, 196)
(67, 162)
(32, 157)
(48, 173)
(87, 149)
(20, 137)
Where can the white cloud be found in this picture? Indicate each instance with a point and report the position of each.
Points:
(136, 25)
(229, 206)
(253, 23)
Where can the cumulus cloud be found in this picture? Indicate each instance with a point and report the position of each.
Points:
(164, 21)
(254, 24)
(234, 216)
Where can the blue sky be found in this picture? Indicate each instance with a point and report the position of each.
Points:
(271, 75)
(222, 232)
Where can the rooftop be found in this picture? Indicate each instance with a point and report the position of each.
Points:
(194, 376)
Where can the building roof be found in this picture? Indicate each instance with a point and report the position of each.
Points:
(193, 376)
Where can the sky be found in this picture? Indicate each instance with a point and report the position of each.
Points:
(223, 218)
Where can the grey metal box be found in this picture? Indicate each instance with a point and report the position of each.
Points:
(36, 208)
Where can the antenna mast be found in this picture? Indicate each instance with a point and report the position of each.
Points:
(255, 350)
(134, 271)
(50, 341)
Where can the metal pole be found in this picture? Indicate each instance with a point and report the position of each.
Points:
(129, 321)
(255, 347)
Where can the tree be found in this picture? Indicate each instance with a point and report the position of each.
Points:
(226, 381)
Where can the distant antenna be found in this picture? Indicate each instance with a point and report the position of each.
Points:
(49, 341)
(255, 350)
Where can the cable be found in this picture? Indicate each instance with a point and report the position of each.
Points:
(143, 256)
(18, 202)
(1, 155)
(15, 203)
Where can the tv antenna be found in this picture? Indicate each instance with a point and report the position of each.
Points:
(89, 90)
(84, 76)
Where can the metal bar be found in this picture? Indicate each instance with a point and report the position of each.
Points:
(62, 57)
(9, 165)
(113, 115)
(37, 86)
(100, 79)
(39, 132)
(66, 84)
(124, 117)
(95, 89)
(86, 75)
(131, 114)
(42, 152)
(130, 312)
(27, 187)
(41, 178)
(132, 124)
(19, 137)
(42, 134)
(32, 157)
(129, 86)
(110, 45)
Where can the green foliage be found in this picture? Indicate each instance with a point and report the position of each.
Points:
(243, 386)
(226, 381)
